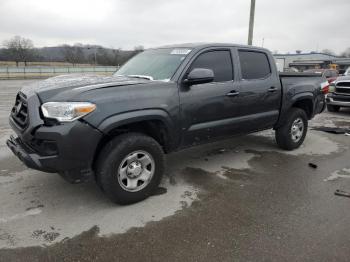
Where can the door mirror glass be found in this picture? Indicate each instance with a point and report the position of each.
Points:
(200, 76)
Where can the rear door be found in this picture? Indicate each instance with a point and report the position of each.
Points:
(259, 90)
(208, 110)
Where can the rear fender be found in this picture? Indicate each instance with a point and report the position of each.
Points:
(287, 104)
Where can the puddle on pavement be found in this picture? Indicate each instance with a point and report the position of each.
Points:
(34, 202)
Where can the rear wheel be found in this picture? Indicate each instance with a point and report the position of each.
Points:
(292, 133)
(332, 108)
(130, 168)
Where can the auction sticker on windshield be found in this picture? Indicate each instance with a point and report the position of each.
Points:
(181, 51)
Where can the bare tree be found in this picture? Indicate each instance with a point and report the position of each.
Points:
(116, 56)
(346, 53)
(328, 52)
(19, 49)
(73, 54)
(104, 57)
(139, 48)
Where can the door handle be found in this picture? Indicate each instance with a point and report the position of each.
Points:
(272, 89)
(233, 93)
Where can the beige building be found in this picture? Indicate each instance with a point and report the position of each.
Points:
(304, 61)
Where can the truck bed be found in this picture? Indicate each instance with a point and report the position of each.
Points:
(292, 74)
(294, 84)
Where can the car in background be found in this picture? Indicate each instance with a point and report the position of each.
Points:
(339, 94)
(330, 74)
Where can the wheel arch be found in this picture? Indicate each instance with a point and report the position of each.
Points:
(155, 123)
(304, 101)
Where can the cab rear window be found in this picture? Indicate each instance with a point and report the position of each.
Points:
(254, 65)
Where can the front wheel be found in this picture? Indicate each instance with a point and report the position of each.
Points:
(292, 133)
(130, 168)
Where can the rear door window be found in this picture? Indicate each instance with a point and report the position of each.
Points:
(219, 61)
(254, 65)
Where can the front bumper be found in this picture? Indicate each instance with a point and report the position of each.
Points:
(30, 159)
(338, 100)
(66, 148)
(75, 146)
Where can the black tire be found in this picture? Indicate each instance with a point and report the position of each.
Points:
(284, 134)
(110, 160)
(332, 108)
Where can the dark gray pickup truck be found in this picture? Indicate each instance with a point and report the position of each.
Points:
(118, 129)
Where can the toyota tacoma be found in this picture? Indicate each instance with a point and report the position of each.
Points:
(117, 129)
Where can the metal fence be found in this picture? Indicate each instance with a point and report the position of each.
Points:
(48, 71)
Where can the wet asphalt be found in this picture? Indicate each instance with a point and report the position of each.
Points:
(273, 208)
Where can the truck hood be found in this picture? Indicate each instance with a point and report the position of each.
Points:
(70, 85)
(342, 79)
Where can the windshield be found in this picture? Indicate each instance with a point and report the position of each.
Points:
(156, 64)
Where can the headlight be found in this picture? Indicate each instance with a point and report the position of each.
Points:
(67, 111)
(332, 88)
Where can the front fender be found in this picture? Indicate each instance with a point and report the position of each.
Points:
(116, 121)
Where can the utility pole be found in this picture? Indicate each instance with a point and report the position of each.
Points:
(251, 22)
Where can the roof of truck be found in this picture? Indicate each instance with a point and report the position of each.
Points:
(201, 45)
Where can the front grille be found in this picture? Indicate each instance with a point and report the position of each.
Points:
(343, 88)
(19, 111)
(346, 84)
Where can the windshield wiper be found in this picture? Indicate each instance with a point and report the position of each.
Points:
(141, 76)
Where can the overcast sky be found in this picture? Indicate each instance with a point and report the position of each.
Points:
(286, 25)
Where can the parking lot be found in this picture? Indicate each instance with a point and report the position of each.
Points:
(241, 199)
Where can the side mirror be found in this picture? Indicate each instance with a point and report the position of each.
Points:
(199, 76)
